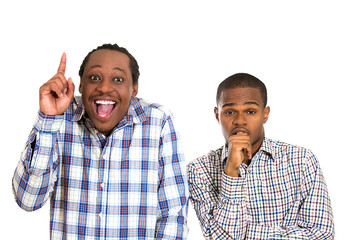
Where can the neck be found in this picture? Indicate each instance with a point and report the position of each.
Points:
(256, 146)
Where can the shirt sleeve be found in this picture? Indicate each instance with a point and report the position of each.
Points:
(173, 188)
(315, 218)
(36, 172)
(220, 211)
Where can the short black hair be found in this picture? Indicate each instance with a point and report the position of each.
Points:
(242, 80)
(133, 62)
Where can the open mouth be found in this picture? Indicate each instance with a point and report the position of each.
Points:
(239, 130)
(104, 107)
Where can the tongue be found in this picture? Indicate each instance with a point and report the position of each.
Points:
(104, 109)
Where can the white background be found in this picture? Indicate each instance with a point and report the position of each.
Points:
(300, 49)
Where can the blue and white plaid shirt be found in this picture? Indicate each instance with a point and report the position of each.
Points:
(130, 185)
(280, 195)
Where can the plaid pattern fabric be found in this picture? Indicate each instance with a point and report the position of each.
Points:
(131, 185)
(280, 195)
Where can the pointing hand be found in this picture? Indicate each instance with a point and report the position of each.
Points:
(56, 94)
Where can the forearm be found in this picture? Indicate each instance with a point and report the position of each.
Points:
(36, 171)
(31, 191)
(221, 212)
(173, 197)
(173, 193)
(172, 224)
(257, 231)
(221, 220)
(172, 211)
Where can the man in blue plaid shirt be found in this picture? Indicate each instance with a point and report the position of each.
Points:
(110, 163)
(254, 187)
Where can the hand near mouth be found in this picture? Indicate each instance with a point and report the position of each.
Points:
(56, 94)
(239, 150)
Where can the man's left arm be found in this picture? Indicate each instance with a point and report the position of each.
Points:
(314, 219)
(315, 215)
(173, 189)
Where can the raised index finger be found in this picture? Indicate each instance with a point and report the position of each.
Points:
(62, 66)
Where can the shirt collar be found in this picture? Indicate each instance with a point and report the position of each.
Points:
(75, 111)
(266, 147)
(135, 113)
(224, 153)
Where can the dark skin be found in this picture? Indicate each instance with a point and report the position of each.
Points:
(241, 114)
(107, 78)
(56, 94)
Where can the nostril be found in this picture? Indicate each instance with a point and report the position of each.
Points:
(104, 87)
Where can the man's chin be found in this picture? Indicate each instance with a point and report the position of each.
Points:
(104, 127)
(105, 131)
(104, 124)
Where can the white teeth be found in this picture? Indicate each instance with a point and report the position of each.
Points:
(104, 102)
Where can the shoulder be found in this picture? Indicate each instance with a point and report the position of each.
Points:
(151, 109)
(290, 152)
(209, 163)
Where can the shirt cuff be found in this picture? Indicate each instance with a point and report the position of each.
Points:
(48, 123)
(232, 188)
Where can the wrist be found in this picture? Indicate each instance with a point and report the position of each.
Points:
(231, 171)
(48, 123)
(51, 113)
(232, 188)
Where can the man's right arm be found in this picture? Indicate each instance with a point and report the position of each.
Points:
(220, 211)
(36, 172)
(34, 178)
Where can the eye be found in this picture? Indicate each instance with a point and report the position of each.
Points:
(229, 112)
(117, 79)
(250, 112)
(95, 78)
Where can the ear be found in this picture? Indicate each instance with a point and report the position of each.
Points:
(266, 113)
(135, 90)
(80, 87)
(216, 112)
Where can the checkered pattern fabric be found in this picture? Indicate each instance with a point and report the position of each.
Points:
(130, 185)
(280, 195)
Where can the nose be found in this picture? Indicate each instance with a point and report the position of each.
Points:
(105, 86)
(239, 119)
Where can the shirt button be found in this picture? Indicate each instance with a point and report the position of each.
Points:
(249, 171)
(249, 218)
(102, 185)
(101, 215)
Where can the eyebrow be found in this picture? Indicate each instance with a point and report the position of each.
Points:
(234, 104)
(115, 68)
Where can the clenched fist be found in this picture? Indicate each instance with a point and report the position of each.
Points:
(239, 150)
